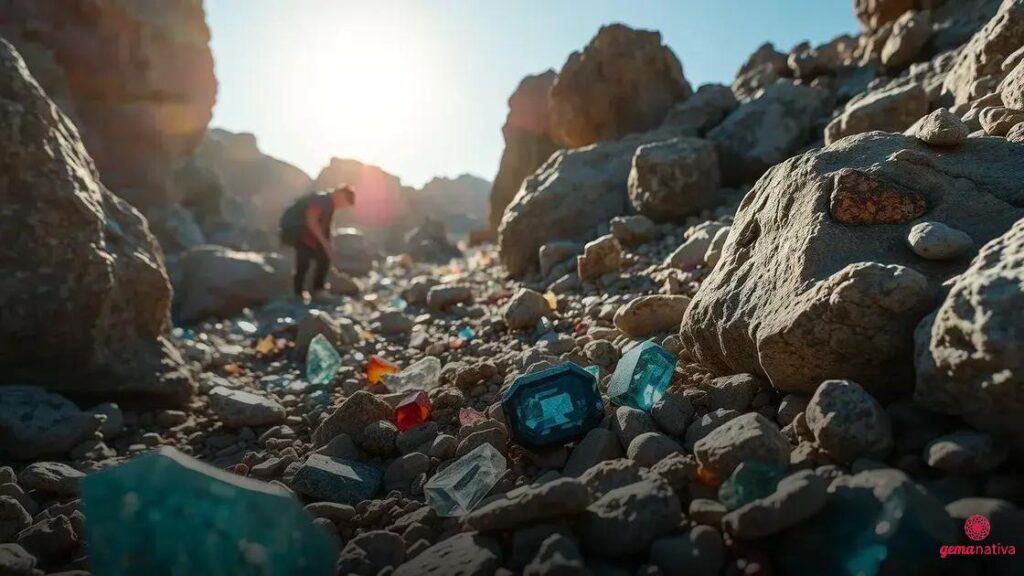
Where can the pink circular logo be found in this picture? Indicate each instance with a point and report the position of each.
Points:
(977, 527)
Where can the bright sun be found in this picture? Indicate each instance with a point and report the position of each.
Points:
(362, 73)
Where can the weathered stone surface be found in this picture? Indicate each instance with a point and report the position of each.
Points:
(693, 251)
(86, 297)
(893, 107)
(600, 257)
(701, 112)
(965, 452)
(524, 309)
(997, 120)
(936, 241)
(983, 56)
(969, 361)
(565, 497)
(941, 128)
(598, 445)
(238, 408)
(528, 141)
(465, 554)
(218, 282)
(843, 302)
(651, 314)
(873, 14)
(674, 178)
(762, 69)
(137, 81)
(632, 230)
(698, 552)
(352, 416)
(848, 422)
(34, 422)
(747, 437)
(626, 520)
(623, 81)
(909, 35)
(765, 131)
(574, 191)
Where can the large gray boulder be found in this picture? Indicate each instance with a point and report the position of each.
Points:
(672, 179)
(893, 107)
(766, 130)
(85, 295)
(970, 352)
(573, 192)
(816, 280)
(218, 282)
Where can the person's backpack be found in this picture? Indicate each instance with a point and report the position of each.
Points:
(293, 219)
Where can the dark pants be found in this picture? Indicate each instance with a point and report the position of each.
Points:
(321, 263)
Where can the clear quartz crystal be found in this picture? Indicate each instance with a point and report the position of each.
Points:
(322, 361)
(457, 489)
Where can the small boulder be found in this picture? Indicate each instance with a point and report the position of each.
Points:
(965, 452)
(747, 437)
(672, 179)
(626, 520)
(848, 422)
(941, 128)
(937, 241)
(600, 257)
(652, 314)
(525, 309)
(238, 408)
(352, 416)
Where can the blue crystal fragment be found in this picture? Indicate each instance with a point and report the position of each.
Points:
(322, 361)
(552, 406)
(750, 481)
(467, 333)
(642, 376)
(164, 513)
(337, 479)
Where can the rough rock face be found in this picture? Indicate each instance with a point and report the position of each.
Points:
(672, 179)
(765, 131)
(980, 61)
(624, 81)
(86, 299)
(970, 356)
(873, 14)
(762, 69)
(267, 184)
(891, 108)
(136, 78)
(574, 191)
(800, 298)
(528, 142)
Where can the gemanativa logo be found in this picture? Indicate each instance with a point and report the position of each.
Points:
(977, 528)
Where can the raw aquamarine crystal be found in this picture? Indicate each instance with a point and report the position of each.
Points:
(552, 406)
(750, 481)
(457, 489)
(322, 361)
(642, 376)
(425, 374)
(337, 479)
(165, 513)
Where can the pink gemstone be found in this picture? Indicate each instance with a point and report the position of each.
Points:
(469, 416)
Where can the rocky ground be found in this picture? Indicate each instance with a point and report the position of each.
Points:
(831, 250)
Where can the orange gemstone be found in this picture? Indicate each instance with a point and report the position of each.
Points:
(413, 410)
(377, 367)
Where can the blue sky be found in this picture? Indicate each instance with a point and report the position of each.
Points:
(419, 87)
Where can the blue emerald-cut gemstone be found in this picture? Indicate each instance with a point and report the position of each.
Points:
(642, 376)
(165, 513)
(552, 406)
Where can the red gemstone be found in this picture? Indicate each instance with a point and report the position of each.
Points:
(413, 410)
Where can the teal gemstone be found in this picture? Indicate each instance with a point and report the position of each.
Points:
(750, 481)
(337, 479)
(594, 370)
(164, 513)
(642, 376)
(457, 489)
(552, 406)
(322, 361)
